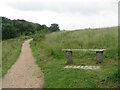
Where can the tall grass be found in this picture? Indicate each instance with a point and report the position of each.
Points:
(11, 49)
(51, 59)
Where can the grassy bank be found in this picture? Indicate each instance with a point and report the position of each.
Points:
(11, 49)
(51, 59)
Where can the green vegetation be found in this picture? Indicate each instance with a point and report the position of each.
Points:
(13, 33)
(47, 47)
(15, 28)
(0, 60)
(10, 52)
(54, 27)
(51, 59)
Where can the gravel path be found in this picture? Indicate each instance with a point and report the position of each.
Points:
(24, 73)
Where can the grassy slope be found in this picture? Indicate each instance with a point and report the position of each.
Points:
(51, 59)
(10, 52)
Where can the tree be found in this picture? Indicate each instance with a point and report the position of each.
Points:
(9, 31)
(15, 28)
(54, 27)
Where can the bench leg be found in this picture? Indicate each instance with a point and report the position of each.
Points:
(69, 57)
(99, 55)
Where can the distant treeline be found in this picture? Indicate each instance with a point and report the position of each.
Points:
(15, 28)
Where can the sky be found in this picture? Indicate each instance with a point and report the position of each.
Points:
(69, 14)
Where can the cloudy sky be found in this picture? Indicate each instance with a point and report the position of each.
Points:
(69, 14)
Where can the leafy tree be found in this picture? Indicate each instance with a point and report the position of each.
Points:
(15, 28)
(9, 31)
(54, 27)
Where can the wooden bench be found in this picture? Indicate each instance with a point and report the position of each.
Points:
(99, 54)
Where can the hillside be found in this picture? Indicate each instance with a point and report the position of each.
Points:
(47, 51)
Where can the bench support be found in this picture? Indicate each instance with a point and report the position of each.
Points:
(69, 57)
(99, 55)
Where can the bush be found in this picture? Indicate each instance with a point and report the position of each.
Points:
(38, 37)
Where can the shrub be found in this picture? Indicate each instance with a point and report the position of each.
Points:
(38, 37)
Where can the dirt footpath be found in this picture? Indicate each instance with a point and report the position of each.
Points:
(24, 73)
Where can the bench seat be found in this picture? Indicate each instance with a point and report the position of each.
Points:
(85, 50)
(99, 54)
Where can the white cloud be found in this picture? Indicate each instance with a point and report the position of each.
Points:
(69, 14)
(62, 6)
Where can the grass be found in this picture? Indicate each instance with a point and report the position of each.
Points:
(51, 59)
(0, 59)
(11, 49)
